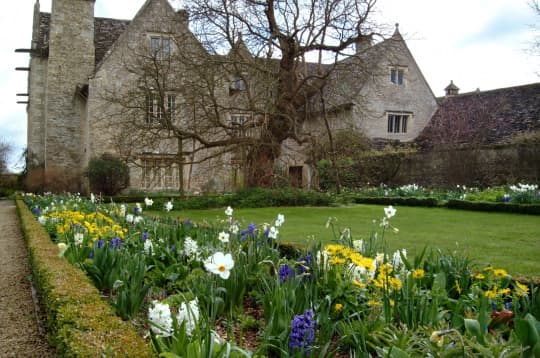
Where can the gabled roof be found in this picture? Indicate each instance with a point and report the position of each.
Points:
(484, 117)
(106, 32)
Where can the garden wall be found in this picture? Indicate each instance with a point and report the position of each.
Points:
(471, 166)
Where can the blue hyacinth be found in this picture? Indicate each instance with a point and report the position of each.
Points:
(116, 243)
(302, 332)
(285, 273)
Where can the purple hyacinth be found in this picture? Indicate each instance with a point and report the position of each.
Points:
(145, 235)
(188, 223)
(116, 243)
(136, 210)
(35, 210)
(302, 332)
(305, 263)
(285, 273)
(249, 232)
(100, 243)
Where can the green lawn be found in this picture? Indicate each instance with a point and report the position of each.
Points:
(509, 241)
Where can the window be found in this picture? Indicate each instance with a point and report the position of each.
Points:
(397, 122)
(396, 75)
(238, 123)
(160, 46)
(160, 173)
(156, 108)
(236, 85)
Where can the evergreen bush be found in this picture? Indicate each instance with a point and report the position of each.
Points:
(107, 174)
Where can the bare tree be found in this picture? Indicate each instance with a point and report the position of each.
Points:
(5, 151)
(267, 60)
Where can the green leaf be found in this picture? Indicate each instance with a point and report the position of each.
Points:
(395, 352)
(525, 330)
(472, 327)
(169, 355)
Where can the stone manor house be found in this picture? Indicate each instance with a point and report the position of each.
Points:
(76, 58)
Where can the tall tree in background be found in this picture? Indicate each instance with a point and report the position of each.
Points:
(5, 151)
(283, 37)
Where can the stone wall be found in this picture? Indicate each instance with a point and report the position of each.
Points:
(71, 61)
(472, 167)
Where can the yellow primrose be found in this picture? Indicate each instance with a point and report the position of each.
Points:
(418, 273)
(492, 293)
(522, 290)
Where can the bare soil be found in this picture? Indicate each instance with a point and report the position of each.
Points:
(21, 334)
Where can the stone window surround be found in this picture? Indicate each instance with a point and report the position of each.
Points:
(155, 112)
(404, 121)
(238, 122)
(397, 74)
(159, 172)
(158, 51)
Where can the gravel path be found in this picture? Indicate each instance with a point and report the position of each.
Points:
(19, 331)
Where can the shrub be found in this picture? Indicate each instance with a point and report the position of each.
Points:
(107, 174)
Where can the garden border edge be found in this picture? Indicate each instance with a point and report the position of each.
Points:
(78, 322)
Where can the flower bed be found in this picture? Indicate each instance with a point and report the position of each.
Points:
(79, 323)
(227, 289)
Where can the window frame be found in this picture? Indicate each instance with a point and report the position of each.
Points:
(160, 46)
(398, 122)
(155, 110)
(397, 75)
(239, 126)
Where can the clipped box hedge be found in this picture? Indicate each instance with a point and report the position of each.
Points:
(531, 209)
(427, 202)
(78, 322)
(246, 198)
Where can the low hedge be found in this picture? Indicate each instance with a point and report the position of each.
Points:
(427, 202)
(531, 209)
(247, 198)
(78, 322)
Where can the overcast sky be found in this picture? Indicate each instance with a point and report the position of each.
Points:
(476, 43)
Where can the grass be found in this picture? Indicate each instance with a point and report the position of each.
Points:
(509, 241)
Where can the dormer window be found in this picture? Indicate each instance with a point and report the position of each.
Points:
(160, 47)
(396, 75)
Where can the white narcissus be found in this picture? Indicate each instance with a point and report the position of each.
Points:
(169, 206)
(280, 220)
(148, 202)
(220, 264)
(229, 211)
(389, 211)
(223, 237)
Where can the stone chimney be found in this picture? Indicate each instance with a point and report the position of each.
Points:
(364, 42)
(184, 17)
(451, 90)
